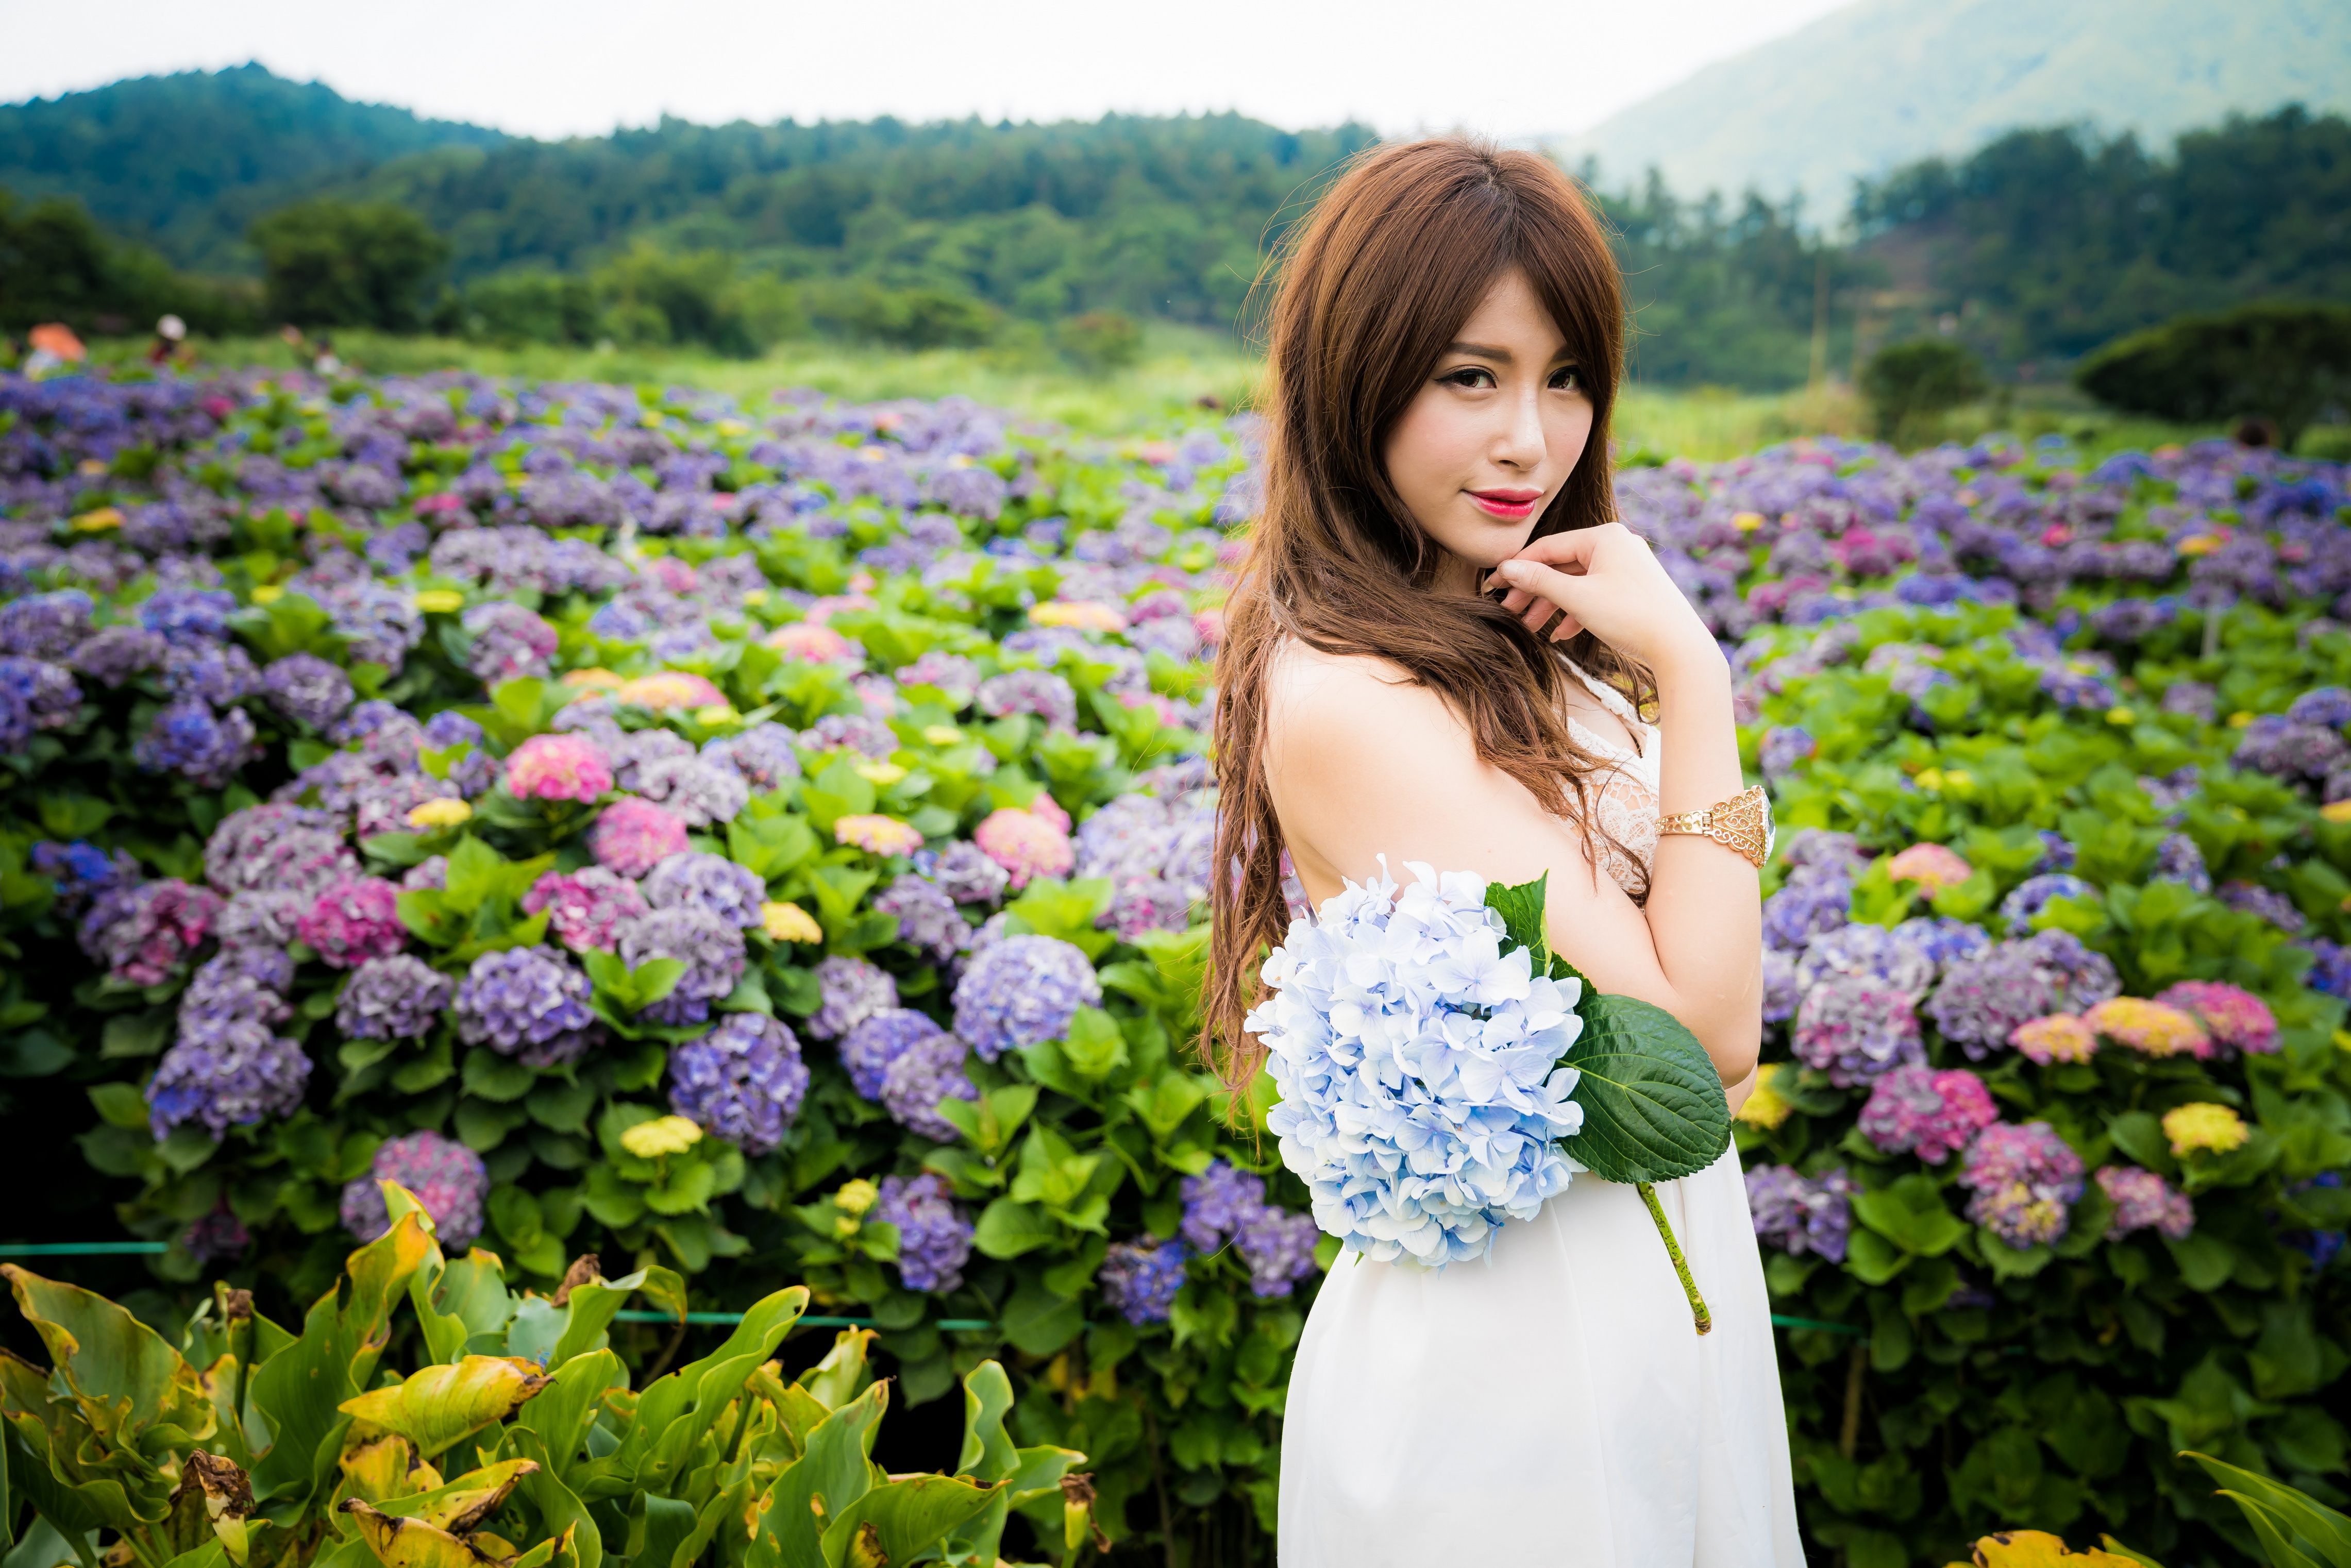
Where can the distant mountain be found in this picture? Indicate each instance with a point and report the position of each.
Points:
(1884, 82)
(184, 161)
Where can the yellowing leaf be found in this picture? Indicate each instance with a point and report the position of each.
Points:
(387, 1468)
(2038, 1549)
(411, 1543)
(475, 1495)
(442, 1404)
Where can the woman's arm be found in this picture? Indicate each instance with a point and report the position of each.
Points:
(1363, 764)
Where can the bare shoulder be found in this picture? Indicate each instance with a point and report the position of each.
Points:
(1317, 701)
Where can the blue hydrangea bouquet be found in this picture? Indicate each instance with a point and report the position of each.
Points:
(1442, 1072)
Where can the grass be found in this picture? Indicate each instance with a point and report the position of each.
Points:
(1187, 374)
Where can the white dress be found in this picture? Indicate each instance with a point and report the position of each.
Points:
(1551, 1405)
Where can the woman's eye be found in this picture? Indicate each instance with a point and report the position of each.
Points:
(1472, 376)
(1566, 380)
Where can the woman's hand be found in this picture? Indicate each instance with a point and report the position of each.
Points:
(1605, 580)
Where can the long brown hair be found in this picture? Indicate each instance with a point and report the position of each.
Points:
(1372, 291)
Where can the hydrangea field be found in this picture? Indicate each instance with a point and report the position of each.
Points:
(765, 840)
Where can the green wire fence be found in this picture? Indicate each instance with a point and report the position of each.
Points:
(952, 1325)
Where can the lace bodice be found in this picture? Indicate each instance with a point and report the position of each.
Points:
(1625, 795)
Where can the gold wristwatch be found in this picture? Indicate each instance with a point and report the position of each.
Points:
(1743, 824)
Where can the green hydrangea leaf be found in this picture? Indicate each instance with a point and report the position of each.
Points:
(1654, 1108)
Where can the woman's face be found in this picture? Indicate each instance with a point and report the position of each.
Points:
(1492, 434)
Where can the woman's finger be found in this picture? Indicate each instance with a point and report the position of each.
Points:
(1571, 548)
(1540, 581)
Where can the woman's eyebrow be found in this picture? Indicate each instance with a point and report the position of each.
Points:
(1480, 350)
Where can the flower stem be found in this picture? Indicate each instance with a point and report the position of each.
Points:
(1704, 1318)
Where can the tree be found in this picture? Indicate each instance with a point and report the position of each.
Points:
(2283, 361)
(1100, 340)
(1908, 383)
(348, 263)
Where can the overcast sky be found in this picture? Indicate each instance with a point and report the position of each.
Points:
(1513, 69)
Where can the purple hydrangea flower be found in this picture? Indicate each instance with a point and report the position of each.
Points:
(2032, 895)
(1140, 1277)
(742, 1082)
(509, 642)
(855, 731)
(217, 1237)
(1148, 903)
(189, 738)
(1808, 905)
(1855, 1028)
(1218, 1202)
(1279, 1248)
(277, 849)
(1129, 839)
(2025, 1180)
(1798, 1214)
(2142, 1200)
(927, 918)
(529, 1004)
(1982, 999)
(2266, 901)
(448, 1179)
(119, 652)
(934, 1236)
(239, 984)
(954, 675)
(44, 625)
(141, 933)
(1781, 996)
(228, 1074)
(695, 791)
(711, 946)
(2178, 859)
(1944, 941)
(964, 872)
(217, 673)
(705, 881)
(1918, 1111)
(306, 689)
(260, 919)
(878, 1040)
(2057, 851)
(1783, 748)
(1022, 991)
(763, 757)
(2276, 745)
(2326, 706)
(585, 907)
(1887, 958)
(186, 616)
(919, 1078)
(354, 919)
(2330, 971)
(852, 991)
(1047, 696)
(394, 998)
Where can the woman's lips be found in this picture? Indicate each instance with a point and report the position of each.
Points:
(1511, 506)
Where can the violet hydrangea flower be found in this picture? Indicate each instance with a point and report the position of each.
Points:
(277, 849)
(964, 872)
(876, 1041)
(851, 990)
(187, 738)
(689, 880)
(2030, 897)
(2144, 1200)
(394, 998)
(529, 1004)
(934, 1236)
(509, 642)
(448, 1179)
(919, 1079)
(306, 687)
(742, 1082)
(712, 950)
(765, 757)
(1139, 1279)
(141, 933)
(1279, 1248)
(1982, 1001)
(927, 918)
(228, 1074)
(1218, 1202)
(1022, 991)
(2025, 1180)
(1853, 1028)
(1798, 1214)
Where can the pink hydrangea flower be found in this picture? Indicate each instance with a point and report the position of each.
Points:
(585, 906)
(354, 919)
(1026, 843)
(1931, 866)
(2232, 1015)
(806, 639)
(878, 835)
(1045, 806)
(1919, 1111)
(2141, 1199)
(632, 836)
(557, 768)
(2060, 1037)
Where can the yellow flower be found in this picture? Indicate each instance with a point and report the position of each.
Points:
(1747, 522)
(2152, 1028)
(2198, 544)
(856, 1196)
(669, 689)
(733, 427)
(1766, 1107)
(948, 734)
(439, 814)
(2121, 715)
(2203, 1125)
(789, 922)
(756, 596)
(439, 601)
(268, 593)
(98, 521)
(877, 835)
(1085, 615)
(661, 1136)
(2336, 810)
(1930, 779)
(91, 465)
(880, 774)
(2239, 719)
(594, 679)
(716, 713)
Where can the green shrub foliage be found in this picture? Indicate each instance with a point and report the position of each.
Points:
(2284, 362)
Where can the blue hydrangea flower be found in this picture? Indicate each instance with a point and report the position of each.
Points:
(742, 1082)
(921, 1078)
(934, 1236)
(689, 880)
(1139, 1279)
(878, 1040)
(226, 1075)
(394, 998)
(529, 1004)
(851, 991)
(711, 946)
(2029, 897)
(927, 918)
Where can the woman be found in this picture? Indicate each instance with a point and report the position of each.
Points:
(1441, 650)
